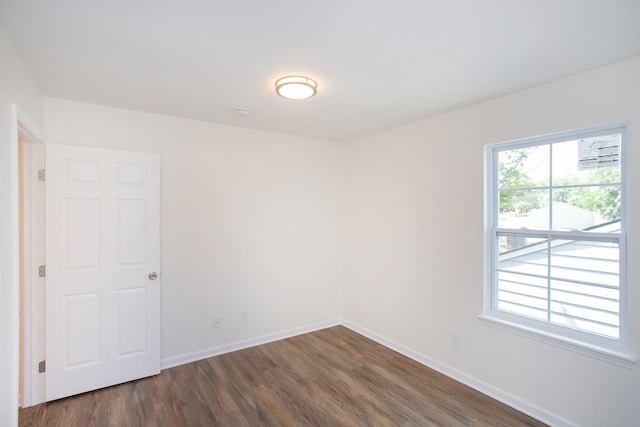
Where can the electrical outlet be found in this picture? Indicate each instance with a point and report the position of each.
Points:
(455, 340)
(3, 280)
(216, 322)
(244, 316)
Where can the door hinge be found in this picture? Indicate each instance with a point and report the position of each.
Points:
(42, 175)
(42, 271)
(42, 366)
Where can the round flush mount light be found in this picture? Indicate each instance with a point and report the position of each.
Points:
(296, 87)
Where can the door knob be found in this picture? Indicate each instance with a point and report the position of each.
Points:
(153, 275)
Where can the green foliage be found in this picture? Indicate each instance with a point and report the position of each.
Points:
(512, 175)
(605, 200)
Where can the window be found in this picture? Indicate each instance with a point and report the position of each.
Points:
(556, 235)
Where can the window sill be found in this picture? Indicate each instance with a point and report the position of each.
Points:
(601, 353)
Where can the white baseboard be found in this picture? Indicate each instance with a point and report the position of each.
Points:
(239, 345)
(475, 383)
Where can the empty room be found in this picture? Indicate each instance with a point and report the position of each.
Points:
(358, 213)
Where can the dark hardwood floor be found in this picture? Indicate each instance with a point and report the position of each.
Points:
(332, 377)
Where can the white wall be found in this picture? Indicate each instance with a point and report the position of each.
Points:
(16, 87)
(414, 245)
(249, 220)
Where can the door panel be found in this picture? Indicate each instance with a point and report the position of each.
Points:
(103, 311)
(132, 236)
(81, 244)
(81, 323)
(132, 305)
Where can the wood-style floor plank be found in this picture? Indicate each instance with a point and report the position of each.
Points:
(332, 377)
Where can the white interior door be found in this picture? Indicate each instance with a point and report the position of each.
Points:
(102, 249)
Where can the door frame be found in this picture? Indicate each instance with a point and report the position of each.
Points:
(28, 143)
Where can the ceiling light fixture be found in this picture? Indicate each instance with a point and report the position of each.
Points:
(296, 87)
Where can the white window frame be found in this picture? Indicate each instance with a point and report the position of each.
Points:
(605, 348)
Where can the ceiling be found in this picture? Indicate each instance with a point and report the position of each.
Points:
(378, 63)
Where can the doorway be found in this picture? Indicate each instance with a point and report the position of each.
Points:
(50, 322)
(32, 256)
